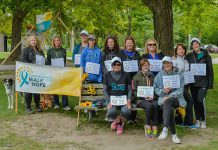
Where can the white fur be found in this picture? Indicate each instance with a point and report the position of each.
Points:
(9, 92)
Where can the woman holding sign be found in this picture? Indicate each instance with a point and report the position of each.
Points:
(183, 66)
(117, 90)
(168, 85)
(130, 58)
(111, 48)
(56, 56)
(79, 48)
(32, 54)
(91, 61)
(202, 68)
(151, 48)
(144, 95)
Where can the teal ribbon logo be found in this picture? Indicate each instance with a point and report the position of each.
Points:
(23, 78)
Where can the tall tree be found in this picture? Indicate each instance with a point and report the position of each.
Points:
(19, 9)
(163, 23)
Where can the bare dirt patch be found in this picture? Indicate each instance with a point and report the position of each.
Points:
(57, 129)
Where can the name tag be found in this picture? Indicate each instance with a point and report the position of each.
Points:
(198, 69)
(40, 60)
(77, 59)
(188, 77)
(130, 66)
(108, 65)
(118, 100)
(155, 65)
(172, 81)
(145, 91)
(92, 68)
(58, 62)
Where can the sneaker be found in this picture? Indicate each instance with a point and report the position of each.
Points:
(67, 108)
(192, 126)
(154, 133)
(113, 126)
(30, 111)
(148, 132)
(181, 125)
(198, 123)
(108, 118)
(163, 135)
(203, 124)
(38, 109)
(56, 107)
(120, 129)
(175, 139)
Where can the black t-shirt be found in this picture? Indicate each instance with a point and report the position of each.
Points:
(119, 87)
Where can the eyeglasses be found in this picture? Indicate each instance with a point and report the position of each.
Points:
(117, 64)
(151, 44)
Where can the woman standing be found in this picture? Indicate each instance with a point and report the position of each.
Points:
(151, 48)
(77, 51)
(117, 85)
(32, 54)
(199, 59)
(183, 66)
(170, 97)
(56, 56)
(111, 48)
(130, 58)
(91, 61)
(145, 78)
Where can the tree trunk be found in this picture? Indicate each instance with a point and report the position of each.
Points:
(17, 21)
(163, 23)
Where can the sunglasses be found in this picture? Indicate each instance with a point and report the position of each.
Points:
(151, 44)
(118, 64)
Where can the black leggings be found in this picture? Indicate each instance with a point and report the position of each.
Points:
(199, 95)
(151, 111)
(28, 99)
(168, 113)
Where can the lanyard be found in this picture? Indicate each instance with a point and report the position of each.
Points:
(195, 59)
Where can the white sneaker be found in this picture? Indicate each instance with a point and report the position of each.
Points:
(198, 123)
(67, 108)
(203, 124)
(56, 107)
(163, 135)
(175, 139)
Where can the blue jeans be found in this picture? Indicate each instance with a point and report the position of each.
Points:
(124, 111)
(65, 101)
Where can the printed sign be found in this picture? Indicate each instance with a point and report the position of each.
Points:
(172, 81)
(92, 68)
(198, 69)
(118, 100)
(130, 66)
(145, 91)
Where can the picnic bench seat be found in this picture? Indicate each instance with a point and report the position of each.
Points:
(87, 97)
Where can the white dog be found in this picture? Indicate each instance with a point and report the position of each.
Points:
(9, 88)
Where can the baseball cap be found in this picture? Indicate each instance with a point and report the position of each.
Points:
(167, 59)
(84, 32)
(92, 36)
(195, 39)
(116, 59)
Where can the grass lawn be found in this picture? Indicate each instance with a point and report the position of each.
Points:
(4, 54)
(22, 142)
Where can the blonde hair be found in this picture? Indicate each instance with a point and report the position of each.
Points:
(56, 37)
(37, 42)
(146, 45)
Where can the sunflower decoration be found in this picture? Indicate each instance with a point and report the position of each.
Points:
(91, 90)
(86, 104)
(84, 77)
(182, 111)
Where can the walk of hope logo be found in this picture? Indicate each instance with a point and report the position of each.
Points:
(22, 75)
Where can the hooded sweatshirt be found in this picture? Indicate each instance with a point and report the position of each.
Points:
(94, 56)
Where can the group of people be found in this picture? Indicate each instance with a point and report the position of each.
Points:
(153, 81)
